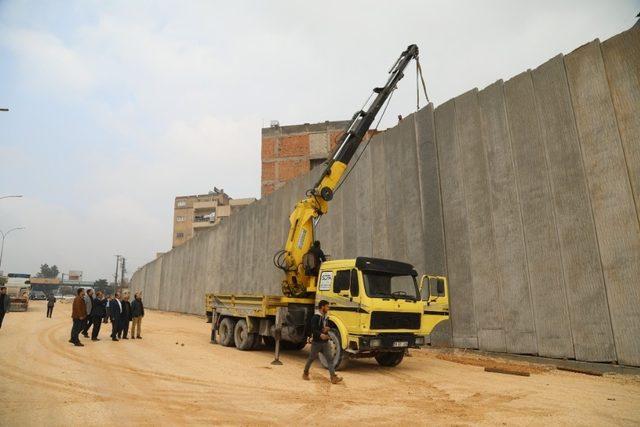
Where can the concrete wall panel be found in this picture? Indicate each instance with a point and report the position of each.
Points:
(429, 184)
(614, 211)
(456, 229)
(622, 63)
(582, 271)
(544, 265)
(379, 195)
(395, 200)
(511, 259)
(349, 189)
(364, 207)
(411, 209)
(486, 279)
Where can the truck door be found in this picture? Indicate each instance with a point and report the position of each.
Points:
(435, 294)
(345, 301)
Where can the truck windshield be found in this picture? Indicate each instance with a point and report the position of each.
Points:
(381, 285)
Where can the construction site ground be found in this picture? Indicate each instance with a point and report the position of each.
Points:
(174, 376)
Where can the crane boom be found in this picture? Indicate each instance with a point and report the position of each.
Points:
(300, 280)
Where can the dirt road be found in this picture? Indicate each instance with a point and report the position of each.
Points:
(154, 381)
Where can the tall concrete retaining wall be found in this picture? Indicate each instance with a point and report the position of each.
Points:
(524, 193)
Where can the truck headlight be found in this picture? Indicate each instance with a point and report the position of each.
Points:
(376, 342)
(419, 340)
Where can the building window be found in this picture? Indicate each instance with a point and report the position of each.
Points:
(316, 162)
(179, 235)
(180, 218)
(181, 203)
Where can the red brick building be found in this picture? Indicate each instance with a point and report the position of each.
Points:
(290, 151)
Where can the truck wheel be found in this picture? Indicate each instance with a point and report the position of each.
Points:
(389, 359)
(242, 337)
(226, 332)
(340, 357)
(293, 346)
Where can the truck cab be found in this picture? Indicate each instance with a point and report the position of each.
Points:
(376, 309)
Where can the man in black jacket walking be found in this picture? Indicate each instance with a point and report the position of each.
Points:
(51, 301)
(97, 313)
(115, 308)
(320, 343)
(137, 313)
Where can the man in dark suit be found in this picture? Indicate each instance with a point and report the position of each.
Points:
(125, 317)
(115, 306)
(97, 313)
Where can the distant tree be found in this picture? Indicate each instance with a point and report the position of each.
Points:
(100, 283)
(3, 280)
(48, 272)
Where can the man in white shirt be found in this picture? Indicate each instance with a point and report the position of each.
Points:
(115, 307)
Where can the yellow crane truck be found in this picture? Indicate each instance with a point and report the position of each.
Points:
(376, 305)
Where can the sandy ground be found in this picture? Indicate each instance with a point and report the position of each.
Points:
(154, 381)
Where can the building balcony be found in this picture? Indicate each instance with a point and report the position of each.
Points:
(202, 224)
(211, 204)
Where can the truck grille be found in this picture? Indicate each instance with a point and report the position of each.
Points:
(393, 320)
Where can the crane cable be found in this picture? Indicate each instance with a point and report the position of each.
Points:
(424, 86)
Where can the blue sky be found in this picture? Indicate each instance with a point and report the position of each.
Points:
(117, 107)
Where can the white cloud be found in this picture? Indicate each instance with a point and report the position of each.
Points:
(47, 63)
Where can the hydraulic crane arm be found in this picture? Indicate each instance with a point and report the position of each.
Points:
(299, 279)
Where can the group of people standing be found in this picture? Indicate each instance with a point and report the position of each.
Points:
(89, 312)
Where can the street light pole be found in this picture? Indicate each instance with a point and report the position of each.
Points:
(6, 197)
(4, 235)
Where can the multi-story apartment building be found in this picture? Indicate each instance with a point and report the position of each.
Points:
(198, 212)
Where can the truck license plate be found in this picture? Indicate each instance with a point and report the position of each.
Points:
(401, 344)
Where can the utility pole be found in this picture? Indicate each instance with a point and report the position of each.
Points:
(122, 271)
(115, 281)
(4, 235)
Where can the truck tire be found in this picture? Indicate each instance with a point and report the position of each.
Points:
(242, 337)
(340, 357)
(389, 359)
(226, 328)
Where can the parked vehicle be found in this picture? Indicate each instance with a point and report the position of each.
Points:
(37, 295)
(18, 288)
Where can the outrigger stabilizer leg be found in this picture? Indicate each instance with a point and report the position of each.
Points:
(214, 329)
(278, 336)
